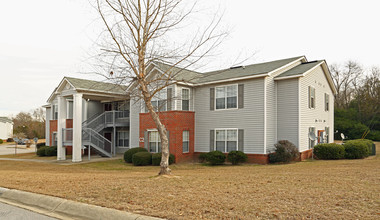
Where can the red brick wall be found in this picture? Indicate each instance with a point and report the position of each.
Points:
(69, 123)
(53, 128)
(175, 122)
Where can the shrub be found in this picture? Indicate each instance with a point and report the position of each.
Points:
(203, 157)
(10, 140)
(51, 151)
(329, 151)
(129, 153)
(285, 151)
(41, 151)
(41, 145)
(215, 157)
(236, 157)
(356, 149)
(1, 141)
(142, 159)
(156, 159)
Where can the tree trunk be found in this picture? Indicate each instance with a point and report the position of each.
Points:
(164, 165)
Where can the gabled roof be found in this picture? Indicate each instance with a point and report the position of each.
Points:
(245, 71)
(180, 74)
(91, 85)
(5, 120)
(85, 85)
(300, 69)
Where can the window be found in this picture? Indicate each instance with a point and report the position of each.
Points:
(327, 102)
(311, 97)
(185, 99)
(159, 101)
(123, 109)
(70, 109)
(327, 131)
(226, 97)
(185, 141)
(55, 112)
(54, 139)
(311, 142)
(154, 142)
(226, 140)
(123, 139)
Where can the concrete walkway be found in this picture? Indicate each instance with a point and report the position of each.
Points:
(62, 208)
(11, 212)
(7, 149)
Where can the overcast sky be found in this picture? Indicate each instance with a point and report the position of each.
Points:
(42, 41)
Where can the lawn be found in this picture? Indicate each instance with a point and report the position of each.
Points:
(344, 189)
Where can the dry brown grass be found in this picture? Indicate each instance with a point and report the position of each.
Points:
(344, 189)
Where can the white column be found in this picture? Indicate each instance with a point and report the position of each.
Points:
(77, 128)
(61, 151)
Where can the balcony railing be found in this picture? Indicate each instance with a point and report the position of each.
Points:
(107, 119)
(67, 135)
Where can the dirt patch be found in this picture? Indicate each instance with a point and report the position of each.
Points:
(344, 189)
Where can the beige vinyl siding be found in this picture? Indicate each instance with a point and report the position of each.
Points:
(316, 117)
(287, 110)
(94, 108)
(250, 118)
(134, 122)
(271, 106)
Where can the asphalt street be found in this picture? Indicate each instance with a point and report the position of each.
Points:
(8, 212)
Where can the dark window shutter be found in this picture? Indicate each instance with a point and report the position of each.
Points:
(241, 140)
(241, 95)
(169, 99)
(212, 98)
(309, 95)
(212, 138)
(146, 140)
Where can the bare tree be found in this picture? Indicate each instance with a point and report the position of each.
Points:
(347, 79)
(143, 32)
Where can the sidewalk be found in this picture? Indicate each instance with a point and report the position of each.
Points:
(62, 208)
(6, 149)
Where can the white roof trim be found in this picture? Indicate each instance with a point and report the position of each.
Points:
(289, 77)
(289, 64)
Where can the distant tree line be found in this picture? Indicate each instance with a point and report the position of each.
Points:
(357, 102)
(29, 124)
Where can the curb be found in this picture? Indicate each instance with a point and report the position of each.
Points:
(58, 206)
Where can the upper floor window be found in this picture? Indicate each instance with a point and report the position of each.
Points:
(226, 97)
(185, 99)
(159, 101)
(327, 102)
(55, 112)
(311, 97)
(226, 140)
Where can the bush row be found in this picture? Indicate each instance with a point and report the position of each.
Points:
(47, 151)
(1, 141)
(141, 157)
(354, 149)
(217, 157)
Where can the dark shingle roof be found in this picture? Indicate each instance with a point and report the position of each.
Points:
(254, 69)
(300, 69)
(5, 119)
(84, 84)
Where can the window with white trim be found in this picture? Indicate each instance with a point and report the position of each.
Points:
(123, 139)
(311, 97)
(185, 99)
(154, 142)
(226, 97)
(226, 140)
(311, 143)
(159, 101)
(55, 112)
(185, 141)
(327, 102)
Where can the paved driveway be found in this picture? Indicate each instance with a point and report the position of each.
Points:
(6, 149)
(9, 212)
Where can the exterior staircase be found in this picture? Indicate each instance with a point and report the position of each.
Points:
(91, 128)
